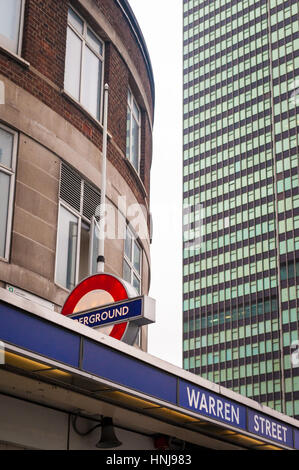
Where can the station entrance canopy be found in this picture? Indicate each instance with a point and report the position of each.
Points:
(45, 346)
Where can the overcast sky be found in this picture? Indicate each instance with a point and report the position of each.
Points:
(161, 25)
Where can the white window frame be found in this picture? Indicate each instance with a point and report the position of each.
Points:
(85, 44)
(12, 173)
(74, 213)
(130, 262)
(81, 219)
(4, 42)
(130, 108)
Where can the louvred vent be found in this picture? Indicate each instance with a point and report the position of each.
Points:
(77, 193)
(91, 200)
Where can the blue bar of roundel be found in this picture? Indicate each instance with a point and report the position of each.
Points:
(209, 404)
(270, 428)
(296, 439)
(127, 371)
(37, 335)
(134, 306)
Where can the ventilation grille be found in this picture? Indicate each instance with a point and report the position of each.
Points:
(77, 193)
(91, 200)
(70, 187)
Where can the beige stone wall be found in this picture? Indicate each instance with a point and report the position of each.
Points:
(45, 139)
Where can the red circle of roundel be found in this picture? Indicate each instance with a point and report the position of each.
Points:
(105, 282)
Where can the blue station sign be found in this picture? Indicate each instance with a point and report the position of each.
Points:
(116, 312)
(270, 428)
(212, 405)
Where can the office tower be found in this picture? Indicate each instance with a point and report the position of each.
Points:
(241, 197)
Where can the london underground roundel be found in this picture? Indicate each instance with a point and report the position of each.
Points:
(96, 290)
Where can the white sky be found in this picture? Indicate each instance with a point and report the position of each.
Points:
(161, 25)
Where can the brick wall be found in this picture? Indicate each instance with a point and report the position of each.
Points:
(44, 37)
(44, 45)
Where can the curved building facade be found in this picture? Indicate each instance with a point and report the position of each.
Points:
(55, 59)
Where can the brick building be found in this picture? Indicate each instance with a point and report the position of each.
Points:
(55, 58)
(61, 382)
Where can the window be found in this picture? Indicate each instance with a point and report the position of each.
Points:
(76, 253)
(84, 64)
(132, 261)
(8, 150)
(133, 132)
(11, 22)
